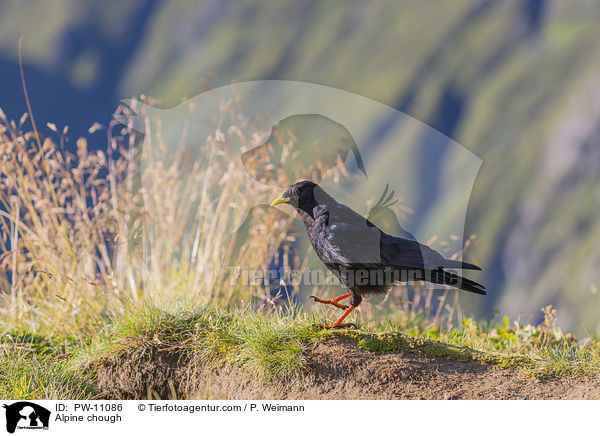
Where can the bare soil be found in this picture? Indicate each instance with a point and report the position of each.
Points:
(338, 369)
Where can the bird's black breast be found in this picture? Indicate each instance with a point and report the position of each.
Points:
(320, 237)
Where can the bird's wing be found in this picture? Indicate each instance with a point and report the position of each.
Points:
(351, 239)
(406, 253)
(364, 243)
(356, 240)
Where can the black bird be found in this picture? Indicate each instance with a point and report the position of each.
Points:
(365, 259)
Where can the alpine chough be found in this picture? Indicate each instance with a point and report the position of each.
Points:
(364, 258)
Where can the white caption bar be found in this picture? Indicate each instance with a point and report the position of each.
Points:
(298, 417)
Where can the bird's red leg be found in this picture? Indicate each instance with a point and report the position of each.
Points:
(338, 323)
(333, 301)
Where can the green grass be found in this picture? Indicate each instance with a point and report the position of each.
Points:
(27, 375)
(263, 346)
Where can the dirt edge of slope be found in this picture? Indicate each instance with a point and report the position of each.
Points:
(337, 370)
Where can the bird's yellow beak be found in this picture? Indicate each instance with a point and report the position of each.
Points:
(280, 200)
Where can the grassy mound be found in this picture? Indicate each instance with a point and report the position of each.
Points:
(150, 352)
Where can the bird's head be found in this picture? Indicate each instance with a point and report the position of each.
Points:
(298, 195)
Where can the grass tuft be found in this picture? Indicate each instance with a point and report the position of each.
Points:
(27, 375)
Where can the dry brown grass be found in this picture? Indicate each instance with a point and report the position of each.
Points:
(82, 232)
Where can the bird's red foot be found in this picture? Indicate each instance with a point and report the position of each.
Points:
(338, 324)
(333, 301)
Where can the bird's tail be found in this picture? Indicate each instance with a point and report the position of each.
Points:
(442, 277)
(460, 265)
